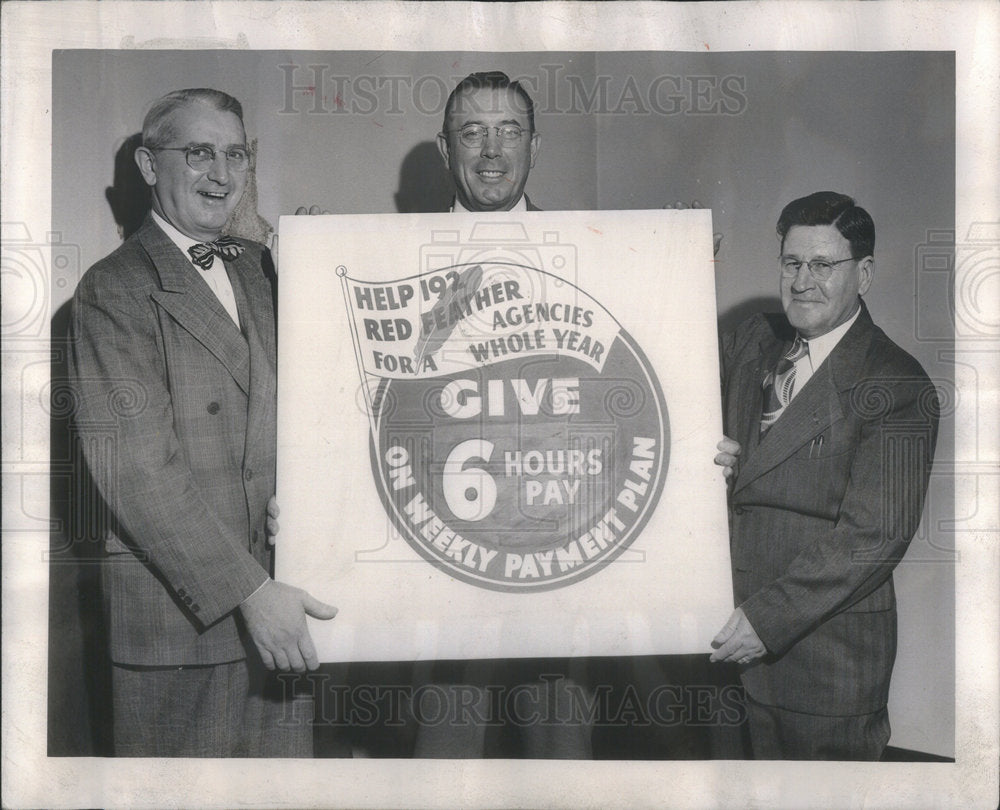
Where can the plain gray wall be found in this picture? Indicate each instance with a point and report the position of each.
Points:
(742, 133)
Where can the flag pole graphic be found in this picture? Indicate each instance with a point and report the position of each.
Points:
(362, 374)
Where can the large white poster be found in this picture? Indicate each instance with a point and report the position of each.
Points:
(496, 433)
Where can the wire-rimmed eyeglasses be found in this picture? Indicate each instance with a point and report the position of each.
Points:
(819, 269)
(473, 135)
(200, 158)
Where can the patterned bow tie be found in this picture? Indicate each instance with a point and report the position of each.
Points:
(226, 248)
(780, 384)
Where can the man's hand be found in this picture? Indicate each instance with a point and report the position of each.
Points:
(276, 619)
(738, 641)
(312, 210)
(729, 453)
(716, 237)
(272, 520)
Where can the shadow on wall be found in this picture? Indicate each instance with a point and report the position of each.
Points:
(79, 678)
(129, 197)
(735, 315)
(425, 186)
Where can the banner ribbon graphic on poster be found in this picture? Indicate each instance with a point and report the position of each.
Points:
(519, 436)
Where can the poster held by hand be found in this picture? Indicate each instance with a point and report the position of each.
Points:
(496, 433)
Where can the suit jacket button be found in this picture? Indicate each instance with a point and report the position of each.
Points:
(195, 608)
(739, 510)
(248, 474)
(188, 600)
(181, 593)
(213, 408)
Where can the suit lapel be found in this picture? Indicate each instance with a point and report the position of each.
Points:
(814, 408)
(254, 299)
(751, 392)
(191, 303)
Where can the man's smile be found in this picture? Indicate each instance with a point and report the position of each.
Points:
(214, 195)
(491, 174)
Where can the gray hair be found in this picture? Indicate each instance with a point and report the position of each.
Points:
(156, 127)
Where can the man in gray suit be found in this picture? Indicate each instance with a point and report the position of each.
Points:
(173, 363)
(835, 428)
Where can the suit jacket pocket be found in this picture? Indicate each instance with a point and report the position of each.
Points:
(113, 544)
(830, 444)
(814, 478)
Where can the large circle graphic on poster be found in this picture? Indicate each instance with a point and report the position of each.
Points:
(527, 474)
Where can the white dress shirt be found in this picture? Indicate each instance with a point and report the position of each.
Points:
(457, 207)
(819, 349)
(215, 276)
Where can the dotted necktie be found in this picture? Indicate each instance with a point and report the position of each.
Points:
(226, 248)
(779, 384)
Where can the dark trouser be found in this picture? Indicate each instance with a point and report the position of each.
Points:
(782, 734)
(669, 707)
(222, 710)
(456, 703)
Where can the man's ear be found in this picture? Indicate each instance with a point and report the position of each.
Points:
(866, 272)
(442, 144)
(536, 141)
(147, 166)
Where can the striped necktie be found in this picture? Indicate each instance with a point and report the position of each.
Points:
(204, 253)
(780, 383)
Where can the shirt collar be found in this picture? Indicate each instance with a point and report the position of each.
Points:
(181, 240)
(458, 208)
(821, 346)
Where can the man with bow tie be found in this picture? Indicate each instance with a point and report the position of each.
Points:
(835, 428)
(173, 362)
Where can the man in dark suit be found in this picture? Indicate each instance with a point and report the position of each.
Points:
(173, 363)
(489, 143)
(835, 428)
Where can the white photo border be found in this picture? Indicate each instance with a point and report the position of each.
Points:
(31, 31)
